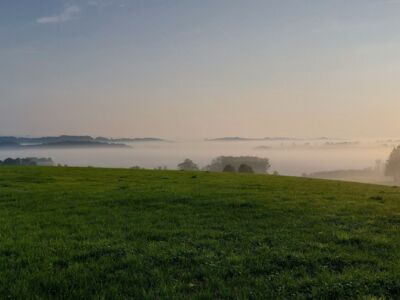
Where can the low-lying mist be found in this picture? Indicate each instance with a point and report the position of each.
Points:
(288, 157)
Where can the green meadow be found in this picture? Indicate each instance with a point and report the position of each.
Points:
(84, 233)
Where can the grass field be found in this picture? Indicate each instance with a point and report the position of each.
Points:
(84, 233)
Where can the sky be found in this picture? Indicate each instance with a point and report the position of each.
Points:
(199, 69)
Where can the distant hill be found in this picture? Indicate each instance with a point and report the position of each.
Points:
(70, 141)
(129, 140)
(342, 174)
(78, 144)
(63, 144)
(367, 175)
(277, 138)
(262, 147)
(233, 139)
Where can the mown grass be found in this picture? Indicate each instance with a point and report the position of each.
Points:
(83, 233)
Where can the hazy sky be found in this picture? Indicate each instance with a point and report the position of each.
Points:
(204, 68)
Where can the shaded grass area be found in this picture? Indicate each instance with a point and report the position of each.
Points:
(107, 233)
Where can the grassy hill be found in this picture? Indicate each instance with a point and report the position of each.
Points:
(108, 233)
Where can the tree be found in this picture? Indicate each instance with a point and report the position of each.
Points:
(393, 164)
(229, 168)
(259, 165)
(243, 168)
(188, 165)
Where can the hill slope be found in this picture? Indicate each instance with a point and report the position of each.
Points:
(107, 233)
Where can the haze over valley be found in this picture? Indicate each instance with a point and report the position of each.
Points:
(293, 156)
(200, 149)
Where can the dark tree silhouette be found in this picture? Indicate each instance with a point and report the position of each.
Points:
(259, 165)
(393, 164)
(188, 165)
(29, 161)
(243, 168)
(229, 168)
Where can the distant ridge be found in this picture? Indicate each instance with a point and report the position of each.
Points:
(70, 141)
(235, 138)
(129, 140)
(278, 138)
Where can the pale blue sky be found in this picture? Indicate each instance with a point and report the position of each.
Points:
(200, 68)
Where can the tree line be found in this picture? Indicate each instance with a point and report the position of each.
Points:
(28, 161)
(241, 164)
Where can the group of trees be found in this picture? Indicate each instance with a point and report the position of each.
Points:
(252, 164)
(241, 164)
(29, 161)
(188, 165)
(393, 165)
(243, 168)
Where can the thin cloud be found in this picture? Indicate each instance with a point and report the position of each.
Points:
(100, 3)
(105, 3)
(69, 13)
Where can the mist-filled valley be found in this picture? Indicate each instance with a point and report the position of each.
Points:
(356, 159)
(199, 149)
